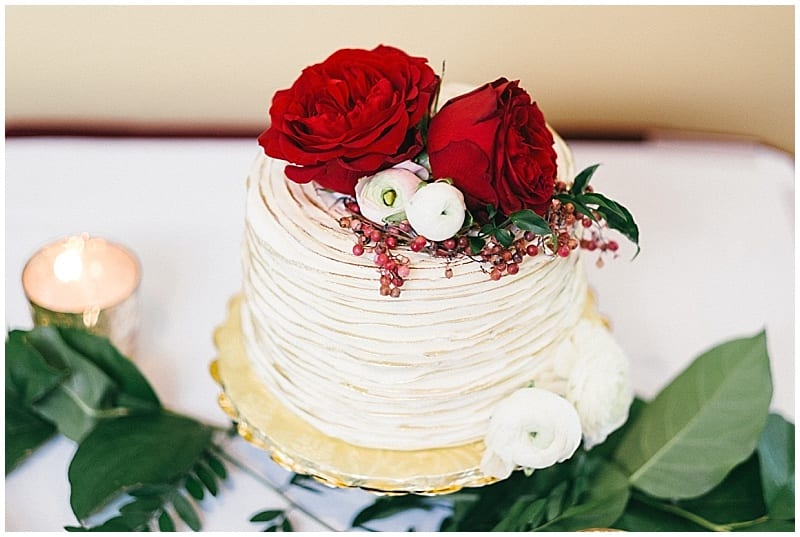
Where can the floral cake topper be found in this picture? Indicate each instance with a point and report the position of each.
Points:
(475, 179)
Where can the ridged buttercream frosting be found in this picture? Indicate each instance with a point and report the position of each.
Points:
(420, 371)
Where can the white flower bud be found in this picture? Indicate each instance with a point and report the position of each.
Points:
(436, 211)
(386, 193)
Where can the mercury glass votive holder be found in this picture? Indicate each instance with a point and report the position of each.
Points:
(86, 282)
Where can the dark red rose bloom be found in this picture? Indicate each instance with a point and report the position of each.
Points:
(494, 144)
(352, 115)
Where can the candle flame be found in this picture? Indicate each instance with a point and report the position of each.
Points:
(68, 265)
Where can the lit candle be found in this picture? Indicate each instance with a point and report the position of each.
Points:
(86, 282)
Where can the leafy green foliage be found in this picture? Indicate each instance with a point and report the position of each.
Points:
(703, 424)
(721, 399)
(588, 203)
(72, 380)
(79, 384)
(276, 520)
(129, 452)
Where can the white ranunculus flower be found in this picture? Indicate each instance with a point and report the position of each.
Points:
(386, 193)
(599, 382)
(436, 211)
(532, 428)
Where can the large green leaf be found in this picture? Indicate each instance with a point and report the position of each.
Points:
(73, 405)
(25, 431)
(776, 455)
(125, 453)
(133, 386)
(703, 424)
(29, 376)
(737, 498)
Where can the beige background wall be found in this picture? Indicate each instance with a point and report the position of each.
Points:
(592, 68)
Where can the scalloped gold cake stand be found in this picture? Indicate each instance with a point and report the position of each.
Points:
(294, 444)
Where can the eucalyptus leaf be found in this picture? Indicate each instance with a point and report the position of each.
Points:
(129, 452)
(703, 424)
(776, 456)
(25, 432)
(582, 179)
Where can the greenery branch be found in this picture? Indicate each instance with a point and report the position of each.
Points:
(704, 454)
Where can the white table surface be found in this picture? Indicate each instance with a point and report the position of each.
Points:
(717, 262)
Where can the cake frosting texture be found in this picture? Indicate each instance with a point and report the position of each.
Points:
(421, 371)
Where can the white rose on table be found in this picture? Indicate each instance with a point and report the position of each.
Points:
(386, 193)
(599, 382)
(532, 428)
(436, 211)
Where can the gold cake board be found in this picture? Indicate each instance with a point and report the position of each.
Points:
(297, 446)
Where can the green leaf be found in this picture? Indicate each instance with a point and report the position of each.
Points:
(640, 516)
(771, 525)
(207, 478)
(29, 376)
(737, 498)
(186, 511)
(627, 226)
(194, 488)
(25, 431)
(387, 506)
(491, 210)
(129, 452)
(476, 244)
(165, 522)
(579, 206)
(703, 424)
(75, 404)
(776, 456)
(99, 350)
(117, 524)
(526, 513)
(528, 220)
(604, 204)
(286, 525)
(582, 179)
(267, 516)
(216, 465)
(604, 503)
(503, 236)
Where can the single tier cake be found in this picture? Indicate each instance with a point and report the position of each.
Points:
(391, 309)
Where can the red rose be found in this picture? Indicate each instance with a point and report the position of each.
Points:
(352, 115)
(494, 144)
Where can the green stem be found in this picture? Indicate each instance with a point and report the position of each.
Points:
(267, 483)
(697, 519)
(683, 513)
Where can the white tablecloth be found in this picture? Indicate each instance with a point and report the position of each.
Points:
(717, 262)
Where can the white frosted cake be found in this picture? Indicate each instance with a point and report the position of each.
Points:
(473, 349)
